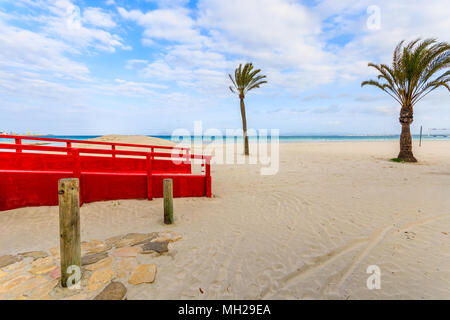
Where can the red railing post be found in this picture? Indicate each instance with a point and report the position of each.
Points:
(149, 176)
(153, 151)
(188, 156)
(68, 145)
(208, 176)
(113, 148)
(77, 169)
(19, 141)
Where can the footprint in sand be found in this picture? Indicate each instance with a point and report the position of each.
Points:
(409, 235)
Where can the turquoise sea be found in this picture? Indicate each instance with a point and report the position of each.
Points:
(283, 139)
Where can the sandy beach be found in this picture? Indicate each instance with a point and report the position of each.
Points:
(308, 232)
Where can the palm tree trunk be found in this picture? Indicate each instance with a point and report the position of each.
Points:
(406, 118)
(244, 126)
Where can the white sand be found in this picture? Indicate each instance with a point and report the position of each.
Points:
(310, 231)
(137, 139)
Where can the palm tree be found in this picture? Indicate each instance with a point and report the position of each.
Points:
(245, 80)
(410, 79)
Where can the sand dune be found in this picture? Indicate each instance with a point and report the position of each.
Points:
(309, 232)
(137, 139)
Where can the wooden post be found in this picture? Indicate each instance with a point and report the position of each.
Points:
(168, 201)
(420, 141)
(69, 231)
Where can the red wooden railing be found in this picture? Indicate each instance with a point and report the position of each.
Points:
(103, 175)
(18, 140)
(113, 145)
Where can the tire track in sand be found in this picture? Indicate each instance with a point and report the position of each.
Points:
(317, 264)
(374, 241)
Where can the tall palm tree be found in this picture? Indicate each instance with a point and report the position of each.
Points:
(245, 80)
(410, 79)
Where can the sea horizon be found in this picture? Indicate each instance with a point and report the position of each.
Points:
(282, 138)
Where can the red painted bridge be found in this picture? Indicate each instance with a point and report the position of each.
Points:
(29, 173)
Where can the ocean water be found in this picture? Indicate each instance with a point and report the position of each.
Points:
(282, 139)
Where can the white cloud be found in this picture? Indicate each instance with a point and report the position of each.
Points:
(97, 17)
(192, 56)
(287, 40)
(83, 28)
(133, 63)
(34, 85)
(137, 87)
(161, 71)
(172, 24)
(67, 22)
(399, 20)
(27, 50)
(280, 36)
(263, 28)
(169, 3)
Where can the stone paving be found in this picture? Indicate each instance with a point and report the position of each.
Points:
(106, 267)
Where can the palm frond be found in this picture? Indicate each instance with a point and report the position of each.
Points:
(414, 66)
(245, 79)
(232, 80)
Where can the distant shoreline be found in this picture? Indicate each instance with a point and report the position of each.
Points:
(283, 139)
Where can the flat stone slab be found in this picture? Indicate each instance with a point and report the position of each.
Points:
(28, 286)
(159, 247)
(80, 296)
(170, 236)
(55, 273)
(6, 286)
(113, 240)
(124, 267)
(150, 237)
(43, 292)
(133, 239)
(144, 273)
(93, 258)
(95, 246)
(42, 265)
(127, 252)
(100, 278)
(8, 259)
(17, 266)
(56, 253)
(34, 254)
(113, 291)
(105, 263)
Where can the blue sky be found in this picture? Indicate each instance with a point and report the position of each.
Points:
(151, 66)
